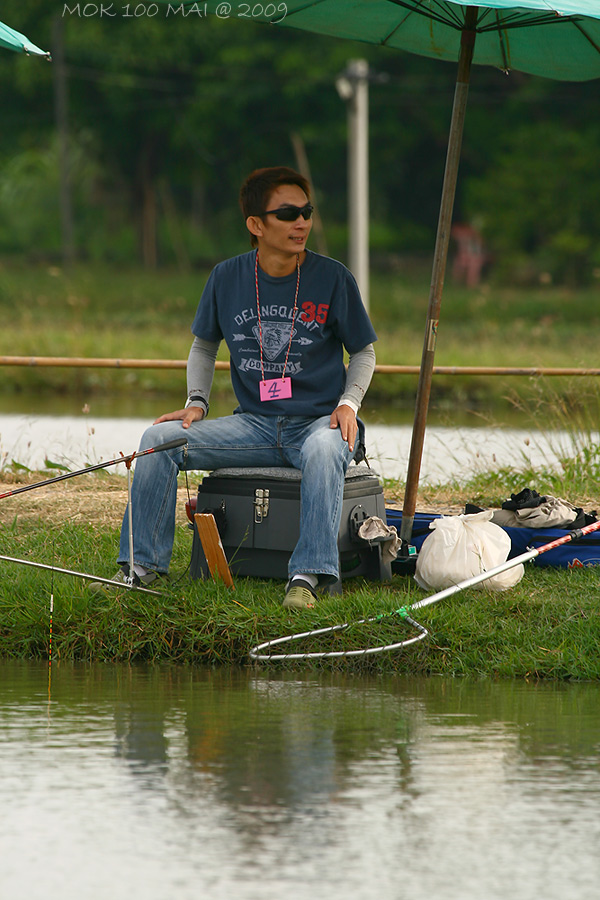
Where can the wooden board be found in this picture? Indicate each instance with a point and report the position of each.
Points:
(213, 548)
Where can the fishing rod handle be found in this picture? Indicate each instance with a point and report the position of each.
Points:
(170, 445)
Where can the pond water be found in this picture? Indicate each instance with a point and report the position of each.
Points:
(455, 451)
(180, 783)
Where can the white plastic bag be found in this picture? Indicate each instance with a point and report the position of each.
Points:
(460, 547)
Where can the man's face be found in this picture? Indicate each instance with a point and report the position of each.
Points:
(290, 237)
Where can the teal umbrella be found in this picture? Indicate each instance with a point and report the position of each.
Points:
(556, 39)
(13, 40)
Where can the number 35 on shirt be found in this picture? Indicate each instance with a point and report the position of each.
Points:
(313, 313)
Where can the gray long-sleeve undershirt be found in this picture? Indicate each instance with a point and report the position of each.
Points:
(201, 369)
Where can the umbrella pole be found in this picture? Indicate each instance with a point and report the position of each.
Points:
(440, 256)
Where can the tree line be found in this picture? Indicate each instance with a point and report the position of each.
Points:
(131, 145)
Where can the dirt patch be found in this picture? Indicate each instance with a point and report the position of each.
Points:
(87, 499)
(101, 500)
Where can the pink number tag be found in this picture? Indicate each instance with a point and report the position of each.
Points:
(276, 389)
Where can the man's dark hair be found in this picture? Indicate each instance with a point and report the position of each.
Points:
(260, 184)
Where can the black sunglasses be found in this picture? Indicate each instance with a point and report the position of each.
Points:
(290, 213)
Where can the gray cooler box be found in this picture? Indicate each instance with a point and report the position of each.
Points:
(258, 516)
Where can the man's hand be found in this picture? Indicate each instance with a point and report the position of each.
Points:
(187, 416)
(344, 418)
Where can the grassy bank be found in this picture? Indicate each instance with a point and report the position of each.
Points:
(548, 626)
(94, 311)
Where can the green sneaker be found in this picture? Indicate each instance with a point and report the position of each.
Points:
(299, 594)
(121, 579)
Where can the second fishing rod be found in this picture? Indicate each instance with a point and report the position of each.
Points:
(127, 460)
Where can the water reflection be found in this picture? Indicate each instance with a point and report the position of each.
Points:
(168, 782)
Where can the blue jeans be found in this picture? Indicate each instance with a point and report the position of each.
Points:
(243, 439)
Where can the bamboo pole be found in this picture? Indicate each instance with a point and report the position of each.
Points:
(109, 363)
(529, 371)
(97, 362)
(440, 256)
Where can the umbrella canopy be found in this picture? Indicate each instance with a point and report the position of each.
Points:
(559, 39)
(13, 40)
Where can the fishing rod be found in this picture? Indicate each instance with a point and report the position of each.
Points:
(127, 460)
(130, 578)
(257, 653)
(84, 575)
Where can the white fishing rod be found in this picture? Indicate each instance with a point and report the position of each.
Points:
(258, 653)
(84, 575)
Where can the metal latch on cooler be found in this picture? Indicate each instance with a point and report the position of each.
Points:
(261, 505)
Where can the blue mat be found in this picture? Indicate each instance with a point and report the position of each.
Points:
(579, 553)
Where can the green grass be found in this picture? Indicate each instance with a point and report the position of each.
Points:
(548, 626)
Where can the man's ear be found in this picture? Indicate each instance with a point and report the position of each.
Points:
(255, 226)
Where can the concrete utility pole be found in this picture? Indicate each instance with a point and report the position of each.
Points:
(353, 87)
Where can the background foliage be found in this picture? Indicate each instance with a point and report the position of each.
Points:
(166, 115)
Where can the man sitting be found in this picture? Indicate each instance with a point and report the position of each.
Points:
(286, 315)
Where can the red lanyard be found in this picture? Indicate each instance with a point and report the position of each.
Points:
(295, 310)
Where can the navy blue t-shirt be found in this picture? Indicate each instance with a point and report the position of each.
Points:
(330, 316)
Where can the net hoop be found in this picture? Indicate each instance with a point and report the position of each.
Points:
(257, 654)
